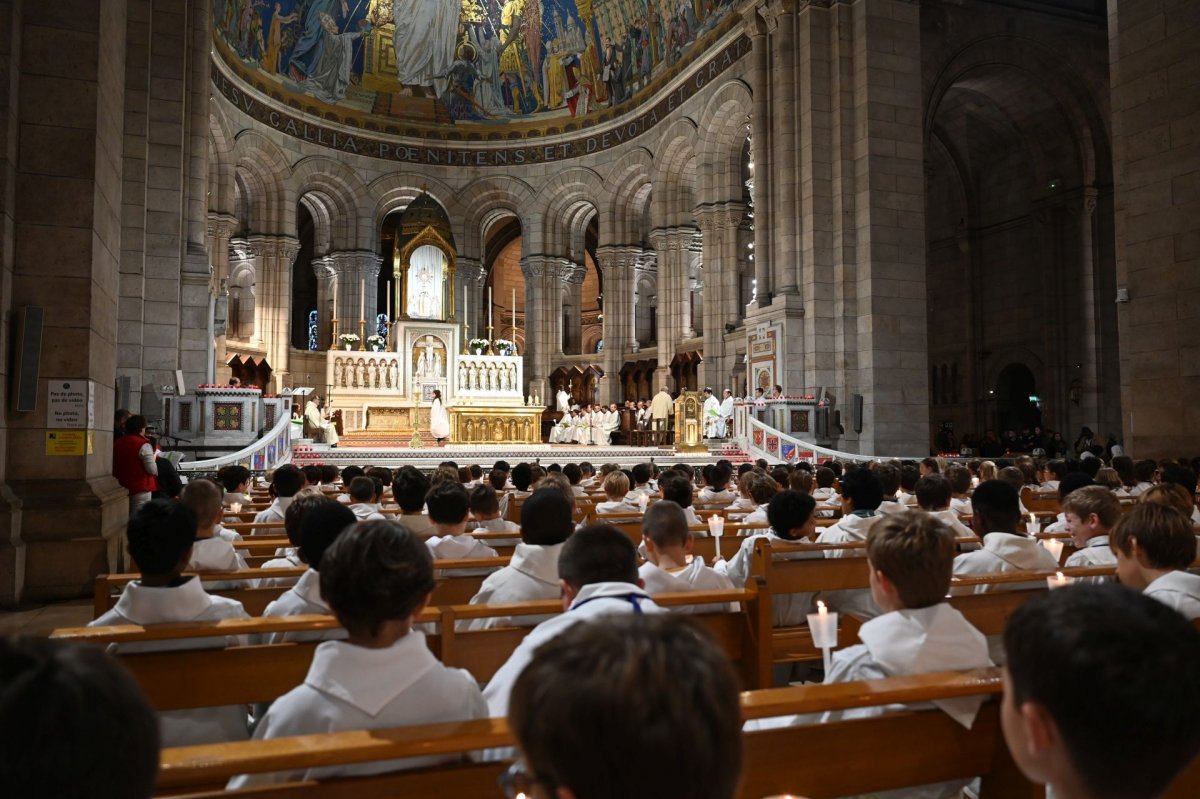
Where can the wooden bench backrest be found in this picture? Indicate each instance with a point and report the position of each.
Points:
(831, 765)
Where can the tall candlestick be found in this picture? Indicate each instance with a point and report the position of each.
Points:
(489, 310)
(514, 315)
(388, 283)
(335, 298)
(362, 299)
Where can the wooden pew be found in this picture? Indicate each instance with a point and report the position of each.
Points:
(832, 763)
(252, 674)
(452, 588)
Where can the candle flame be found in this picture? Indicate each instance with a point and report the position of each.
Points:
(821, 607)
(1059, 576)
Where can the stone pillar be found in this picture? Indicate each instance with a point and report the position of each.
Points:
(762, 154)
(218, 233)
(63, 250)
(326, 274)
(719, 227)
(12, 548)
(788, 91)
(273, 307)
(617, 266)
(356, 273)
(572, 285)
(671, 247)
(542, 320)
(472, 276)
(1153, 52)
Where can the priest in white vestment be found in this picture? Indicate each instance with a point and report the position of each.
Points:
(711, 413)
(726, 411)
(563, 400)
(316, 421)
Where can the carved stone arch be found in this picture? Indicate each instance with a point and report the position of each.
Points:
(623, 222)
(674, 198)
(722, 127)
(1048, 70)
(221, 163)
(570, 195)
(396, 191)
(264, 171)
(341, 191)
(487, 200)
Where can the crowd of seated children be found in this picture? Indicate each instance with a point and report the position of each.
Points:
(995, 520)
(532, 572)
(320, 523)
(640, 484)
(716, 491)
(960, 484)
(616, 487)
(670, 565)
(598, 575)
(1155, 545)
(366, 496)
(210, 552)
(792, 519)
(674, 487)
(574, 475)
(653, 690)
(377, 577)
(235, 479)
(934, 496)
(160, 537)
(285, 482)
(73, 724)
(408, 492)
(485, 510)
(289, 557)
(889, 480)
(1100, 692)
(449, 505)
(1091, 513)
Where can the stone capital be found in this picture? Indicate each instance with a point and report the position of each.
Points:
(714, 216)
(471, 272)
(221, 226)
(361, 263)
(755, 23)
(243, 249)
(572, 272)
(536, 266)
(613, 259)
(324, 268)
(283, 247)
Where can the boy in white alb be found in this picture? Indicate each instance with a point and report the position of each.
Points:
(861, 494)
(532, 573)
(598, 576)
(485, 508)
(1155, 546)
(408, 490)
(670, 566)
(1091, 513)
(235, 479)
(286, 481)
(364, 498)
(1065, 649)
(1071, 482)
(959, 478)
(933, 496)
(289, 557)
(160, 537)
(319, 528)
(995, 520)
(210, 552)
(760, 489)
(716, 491)
(616, 487)
(910, 556)
(377, 577)
(449, 504)
(678, 489)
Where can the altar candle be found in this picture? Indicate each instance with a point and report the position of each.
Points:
(489, 310)
(1058, 580)
(389, 299)
(1054, 547)
(362, 299)
(1033, 526)
(514, 311)
(335, 298)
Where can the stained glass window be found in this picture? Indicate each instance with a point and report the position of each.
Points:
(313, 331)
(381, 325)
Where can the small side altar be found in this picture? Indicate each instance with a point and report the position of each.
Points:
(390, 393)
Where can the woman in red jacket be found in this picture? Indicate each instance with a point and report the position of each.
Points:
(133, 463)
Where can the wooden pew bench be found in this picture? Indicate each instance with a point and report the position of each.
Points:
(833, 763)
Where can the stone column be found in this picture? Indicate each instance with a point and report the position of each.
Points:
(762, 154)
(617, 266)
(572, 279)
(356, 274)
(645, 264)
(472, 275)
(326, 274)
(12, 548)
(62, 247)
(719, 227)
(218, 233)
(273, 307)
(542, 320)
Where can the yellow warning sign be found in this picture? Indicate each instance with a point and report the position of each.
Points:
(68, 442)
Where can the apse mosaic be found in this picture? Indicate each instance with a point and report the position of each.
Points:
(487, 62)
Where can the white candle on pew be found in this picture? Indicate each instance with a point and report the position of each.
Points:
(1054, 547)
(822, 625)
(716, 525)
(236, 507)
(1033, 527)
(1059, 580)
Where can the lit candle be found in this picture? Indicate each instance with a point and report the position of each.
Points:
(716, 525)
(823, 626)
(1054, 547)
(643, 501)
(236, 507)
(1033, 526)
(1058, 580)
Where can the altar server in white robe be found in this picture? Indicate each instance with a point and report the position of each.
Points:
(596, 424)
(559, 432)
(661, 408)
(725, 422)
(612, 421)
(562, 400)
(532, 573)
(995, 521)
(861, 495)
(439, 418)
(316, 420)
(599, 578)
(670, 566)
(583, 427)
(377, 577)
(160, 537)
(712, 414)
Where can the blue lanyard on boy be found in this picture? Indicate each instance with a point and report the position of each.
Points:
(634, 599)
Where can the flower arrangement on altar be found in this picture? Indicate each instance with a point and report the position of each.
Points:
(376, 343)
(478, 346)
(348, 340)
(504, 347)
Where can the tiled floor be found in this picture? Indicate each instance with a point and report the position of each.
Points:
(38, 620)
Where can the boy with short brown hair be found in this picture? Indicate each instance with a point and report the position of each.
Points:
(1155, 546)
(1091, 513)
